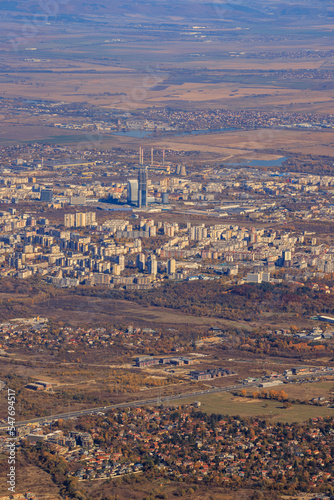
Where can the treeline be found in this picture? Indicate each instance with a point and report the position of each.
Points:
(214, 298)
(32, 286)
(280, 345)
(200, 298)
(21, 295)
(280, 396)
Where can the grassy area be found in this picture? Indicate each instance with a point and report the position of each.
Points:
(226, 404)
(309, 391)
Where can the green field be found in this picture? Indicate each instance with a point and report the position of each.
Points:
(226, 404)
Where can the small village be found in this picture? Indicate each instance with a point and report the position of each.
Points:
(186, 445)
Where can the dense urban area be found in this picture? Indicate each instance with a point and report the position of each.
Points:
(116, 228)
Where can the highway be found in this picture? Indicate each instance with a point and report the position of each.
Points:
(128, 404)
(157, 400)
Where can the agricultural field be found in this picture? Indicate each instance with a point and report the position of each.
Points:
(121, 67)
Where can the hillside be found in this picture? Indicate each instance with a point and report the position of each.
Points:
(176, 10)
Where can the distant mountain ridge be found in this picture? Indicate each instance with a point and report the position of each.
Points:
(177, 9)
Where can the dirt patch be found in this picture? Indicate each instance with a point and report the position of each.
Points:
(34, 480)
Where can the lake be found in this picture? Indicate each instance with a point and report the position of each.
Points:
(147, 133)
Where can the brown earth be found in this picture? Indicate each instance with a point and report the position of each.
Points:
(34, 480)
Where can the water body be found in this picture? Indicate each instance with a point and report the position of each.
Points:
(146, 133)
(259, 163)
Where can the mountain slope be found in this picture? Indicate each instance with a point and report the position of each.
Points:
(214, 10)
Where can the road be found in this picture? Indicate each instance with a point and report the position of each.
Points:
(128, 404)
(154, 401)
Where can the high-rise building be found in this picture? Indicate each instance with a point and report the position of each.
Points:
(46, 195)
(31, 221)
(90, 218)
(152, 265)
(133, 192)
(286, 256)
(140, 261)
(198, 233)
(152, 231)
(120, 259)
(164, 198)
(69, 220)
(116, 269)
(142, 187)
(79, 219)
(171, 266)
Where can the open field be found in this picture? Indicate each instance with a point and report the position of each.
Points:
(309, 391)
(123, 67)
(226, 404)
(82, 310)
(88, 310)
(141, 71)
(74, 309)
(127, 89)
(249, 144)
(305, 391)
